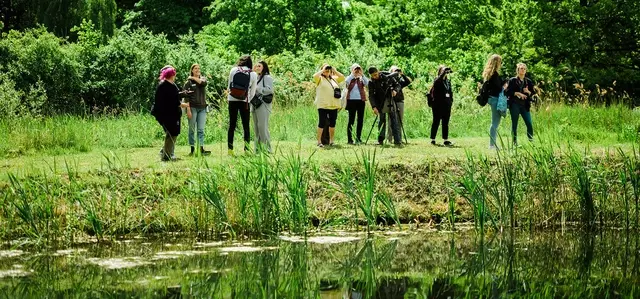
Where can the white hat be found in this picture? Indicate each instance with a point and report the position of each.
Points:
(393, 68)
(354, 66)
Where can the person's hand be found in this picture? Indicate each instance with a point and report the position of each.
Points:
(184, 105)
(394, 93)
(526, 90)
(375, 111)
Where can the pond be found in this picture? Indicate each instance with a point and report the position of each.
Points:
(416, 264)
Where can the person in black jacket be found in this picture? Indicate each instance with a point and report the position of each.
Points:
(167, 111)
(494, 87)
(442, 101)
(520, 92)
(399, 98)
(383, 86)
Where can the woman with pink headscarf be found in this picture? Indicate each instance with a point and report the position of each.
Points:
(167, 111)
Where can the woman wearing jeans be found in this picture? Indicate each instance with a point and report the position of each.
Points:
(520, 93)
(198, 106)
(240, 104)
(494, 87)
(327, 80)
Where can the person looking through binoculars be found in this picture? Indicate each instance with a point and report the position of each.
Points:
(399, 99)
(383, 87)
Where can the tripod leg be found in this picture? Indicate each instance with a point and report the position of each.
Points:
(371, 130)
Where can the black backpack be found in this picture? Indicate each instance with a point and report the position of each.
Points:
(483, 94)
(239, 85)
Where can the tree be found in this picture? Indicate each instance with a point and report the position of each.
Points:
(277, 25)
(171, 17)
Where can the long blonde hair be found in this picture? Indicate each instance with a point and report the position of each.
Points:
(493, 65)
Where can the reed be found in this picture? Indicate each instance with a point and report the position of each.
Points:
(582, 184)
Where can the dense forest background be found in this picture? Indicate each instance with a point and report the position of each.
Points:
(78, 56)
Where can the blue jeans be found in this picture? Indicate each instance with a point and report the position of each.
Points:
(516, 109)
(495, 120)
(199, 118)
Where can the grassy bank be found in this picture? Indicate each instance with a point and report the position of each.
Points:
(72, 134)
(529, 187)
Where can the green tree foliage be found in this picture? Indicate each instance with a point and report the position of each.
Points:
(592, 42)
(171, 17)
(278, 25)
(59, 16)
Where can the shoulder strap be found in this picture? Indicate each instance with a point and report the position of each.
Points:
(330, 82)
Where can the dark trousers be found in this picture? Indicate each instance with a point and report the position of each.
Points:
(516, 109)
(243, 109)
(356, 109)
(441, 113)
(395, 127)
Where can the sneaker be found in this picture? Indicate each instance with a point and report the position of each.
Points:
(448, 143)
(493, 148)
(320, 145)
(433, 142)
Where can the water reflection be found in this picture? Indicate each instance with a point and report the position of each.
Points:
(422, 265)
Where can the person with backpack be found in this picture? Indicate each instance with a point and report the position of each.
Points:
(328, 94)
(491, 88)
(399, 99)
(242, 88)
(356, 100)
(167, 111)
(261, 107)
(197, 108)
(520, 92)
(442, 95)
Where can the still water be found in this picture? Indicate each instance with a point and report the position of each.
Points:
(425, 264)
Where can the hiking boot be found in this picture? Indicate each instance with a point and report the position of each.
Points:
(192, 151)
(448, 143)
(204, 152)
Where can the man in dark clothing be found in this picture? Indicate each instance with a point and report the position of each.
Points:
(404, 81)
(382, 88)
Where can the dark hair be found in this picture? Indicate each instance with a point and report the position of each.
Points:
(372, 70)
(245, 61)
(265, 68)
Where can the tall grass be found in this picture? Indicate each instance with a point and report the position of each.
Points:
(582, 184)
(296, 180)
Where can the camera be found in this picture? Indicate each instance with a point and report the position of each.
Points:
(398, 70)
(328, 67)
(448, 70)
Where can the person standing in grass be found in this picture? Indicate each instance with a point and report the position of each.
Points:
(382, 89)
(328, 94)
(520, 92)
(442, 94)
(242, 88)
(356, 100)
(167, 111)
(196, 83)
(399, 99)
(494, 87)
(261, 114)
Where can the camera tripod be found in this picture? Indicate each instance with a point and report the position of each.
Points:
(397, 112)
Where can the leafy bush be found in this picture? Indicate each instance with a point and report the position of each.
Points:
(36, 56)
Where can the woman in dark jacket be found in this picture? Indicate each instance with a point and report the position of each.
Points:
(197, 108)
(442, 94)
(167, 111)
(520, 93)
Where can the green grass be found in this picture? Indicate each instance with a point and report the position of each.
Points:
(66, 177)
(73, 134)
